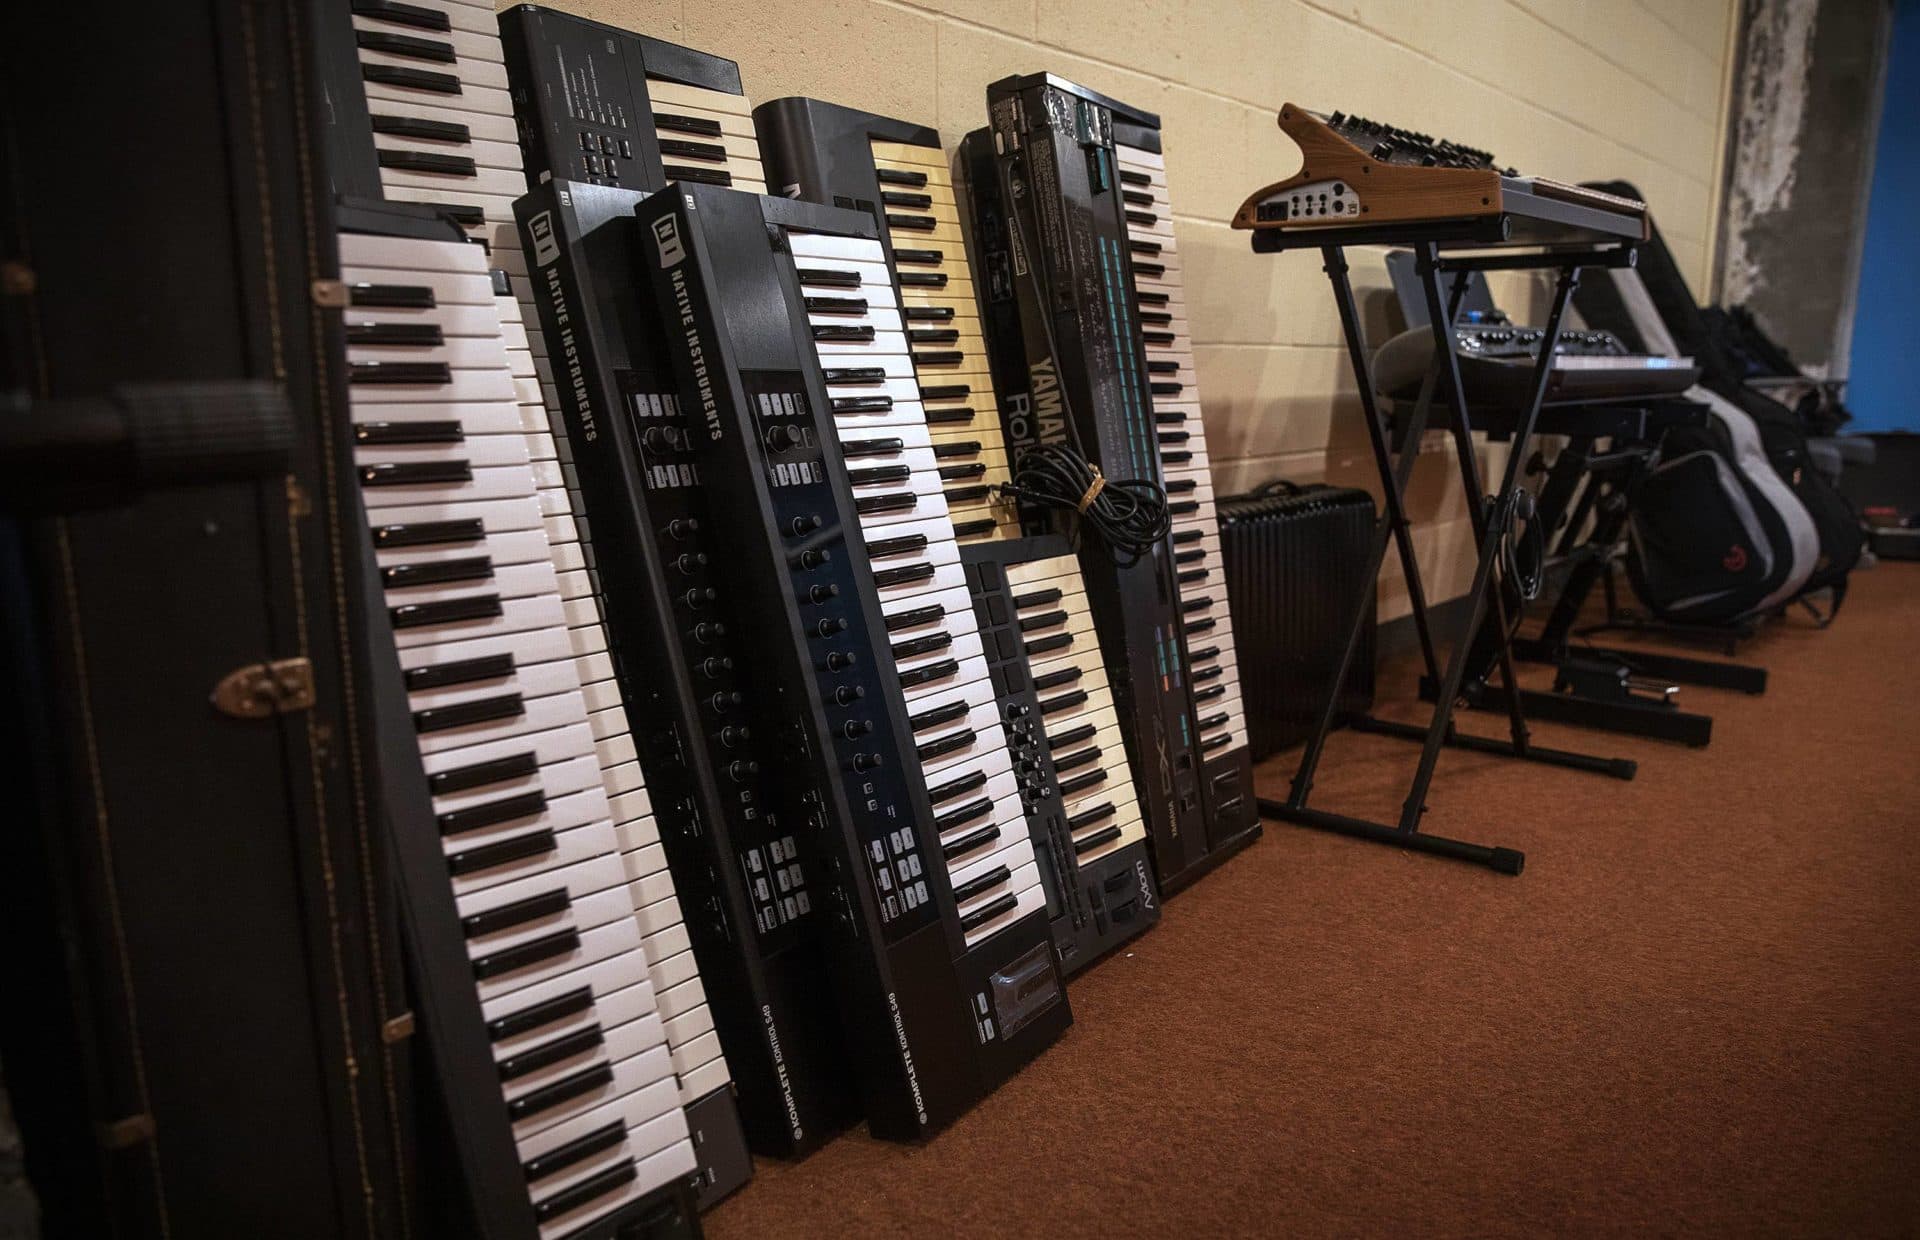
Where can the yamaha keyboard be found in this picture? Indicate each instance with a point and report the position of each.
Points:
(419, 110)
(939, 950)
(1360, 174)
(1059, 242)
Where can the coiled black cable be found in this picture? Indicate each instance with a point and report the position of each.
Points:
(1129, 516)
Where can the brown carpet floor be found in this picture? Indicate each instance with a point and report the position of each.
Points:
(1697, 1012)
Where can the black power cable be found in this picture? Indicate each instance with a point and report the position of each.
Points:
(1130, 516)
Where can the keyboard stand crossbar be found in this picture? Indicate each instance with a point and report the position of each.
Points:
(1490, 522)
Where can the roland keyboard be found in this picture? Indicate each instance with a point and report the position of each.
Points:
(898, 173)
(548, 837)
(419, 104)
(844, 555)
(1063, 315)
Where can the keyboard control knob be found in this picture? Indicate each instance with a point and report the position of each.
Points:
(804, 525)
(821, 594)
(783, 436)
(725, 701)
(839, 661)
(854, 728)
(688, 561)
(814, 558)
(682, 527)
(830, 626)
(735, 734)
(866, 761)
(664, 438)
(712, 666)
(740, 770)
(705, 632)
(847, 695)
(700, 597)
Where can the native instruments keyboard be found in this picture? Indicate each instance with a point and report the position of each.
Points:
(1363, 174)
(1159, 287)
(435, 111)
(1083, 809)
(1063, 323)
(897, 173)
(676, 626)
(941, 956)
(1497, 361)
(547, 857)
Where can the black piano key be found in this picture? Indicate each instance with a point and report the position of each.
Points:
(1204, 674)
(1150, 269)
(957, 787)
(943, 357)
(1172, 417)
(1175, 436)
(842, 332)
(1189, 557)
(923, 258)
(878, 474)
(1158, 318)
(429, 161)
(1157, 337)
(1065, 701)
(897, 501)
(486, 856)
(1209, 693)
(933, 335)
(923, 279)
(1052, 642)
(525, 955)
(1087, 817)
(1082, 781)
(951, 743)
(412, 79)
(1143, 247)
(429, 533)
(862, 404)
(415, 473)
(399, 372)
(880, 548)
(1164, 367)
(389, 296)
(1201, 626)
(1128, 176)
(927, 314)
(1209, 722)
(966, 469)
(944, 417)
(576, 1151)
(918, 223)
(1054, 679)
(446, 611)
(1045, 620)
(914, 616)
(928, 674)
(1072, 736)
(1215, 742)
(1146, 219)
(591, 1189)
(856, 448)
(960, 447)
(945, 391)
(685, 149)
(376, 433)
(960, 817)
(1037, 598)
(1148, 298)
(1184, 507)
(904, 575)
(855, 374)
(982, 883)
(1187, 536)
(1192, 575)
(900, 176)
(703, 176)
(466, 714)
(418, 16)
(1087, 843)
(1136, 198)
(480, 774)
(912, 202)
(425, 130)
(1078, 758)
(518, 913)
(829, 277)
(411, 46)
(914, 646)
(545, 1055)
(1200, 603)
(437, 572)
(679, 123)
(467, 216)
(526, 1020)
(836, 305)
(545, 1099)
(967, 529)
(491, 813)
(970, 841)
(988, 911)
(938, 715)
(1204, 652)
(422, 334)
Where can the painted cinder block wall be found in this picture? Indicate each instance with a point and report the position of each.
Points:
(1575, 89)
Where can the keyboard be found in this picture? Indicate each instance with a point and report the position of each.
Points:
(549, 838)
(1497, 362)
(898, 173)
(438, 107)
(844, 554)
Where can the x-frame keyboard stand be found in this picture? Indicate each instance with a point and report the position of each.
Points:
(1491, 523)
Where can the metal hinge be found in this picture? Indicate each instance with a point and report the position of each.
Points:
(331, 294)
(262, 689)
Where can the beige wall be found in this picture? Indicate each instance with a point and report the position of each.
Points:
(1577, 89)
